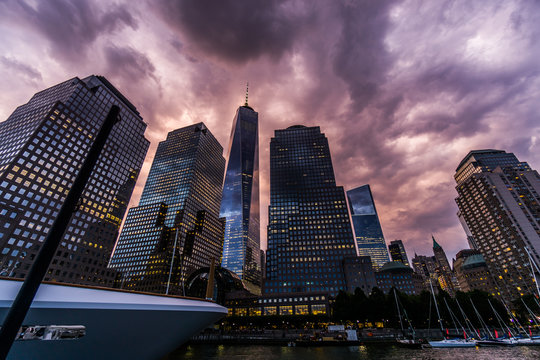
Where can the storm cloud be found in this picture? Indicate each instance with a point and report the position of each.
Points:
(403, 89)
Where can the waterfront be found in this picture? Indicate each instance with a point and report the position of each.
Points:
(369, 352)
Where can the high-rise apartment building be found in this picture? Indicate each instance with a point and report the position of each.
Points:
(309, 231)
(397, 252)
(367, 228)
(43, 145)
(499, 201)
(176, 228)
(240, 202)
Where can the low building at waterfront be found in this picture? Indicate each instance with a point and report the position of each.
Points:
(267, 305)
(394, 274)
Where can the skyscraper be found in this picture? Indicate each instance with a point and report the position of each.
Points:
(367, 228)
(240, 203)
(44, 143)
(397, 252)
(176, 228)
(426, 267)
(447, 279)
(499, 202)
(309, 232)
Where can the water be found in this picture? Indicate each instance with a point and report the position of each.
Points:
(369, 352)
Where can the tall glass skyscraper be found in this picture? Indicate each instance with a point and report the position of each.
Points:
(367, 228)
(240, 203)
(176, 228)
(43, 145)
(498, 201)
(309, 232)
(398, 253)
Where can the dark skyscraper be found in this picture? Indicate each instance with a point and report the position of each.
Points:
(43, 145)
(367, 228)
(499, 203)
(176, 228)
(397, 252)
(240, 203)
(309, 232)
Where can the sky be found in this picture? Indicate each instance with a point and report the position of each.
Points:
(402, 89)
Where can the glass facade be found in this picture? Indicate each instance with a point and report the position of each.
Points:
(309, 231)
(397, 252)
(367, 228)
(44, 143)
(240, 203)
(498, 201)
(176, 228)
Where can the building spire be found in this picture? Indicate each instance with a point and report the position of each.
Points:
(247, 91)
(435, 244)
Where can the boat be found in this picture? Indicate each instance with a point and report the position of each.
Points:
(453, 343)
(497, 342)
(448, 343)
(84, 322)
(410, 342)
(529, 341)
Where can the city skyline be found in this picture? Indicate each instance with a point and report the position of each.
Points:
(398, 115)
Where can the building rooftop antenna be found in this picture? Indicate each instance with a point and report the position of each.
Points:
(247, 91)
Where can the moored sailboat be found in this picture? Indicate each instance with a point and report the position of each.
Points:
(448, 343)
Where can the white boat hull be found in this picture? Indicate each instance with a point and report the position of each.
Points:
(452, 344)
(118, 324)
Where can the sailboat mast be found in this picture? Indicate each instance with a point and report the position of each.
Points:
(532, 270)
(399, 312)
(436, 307)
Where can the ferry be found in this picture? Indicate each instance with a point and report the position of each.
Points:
(84, 322)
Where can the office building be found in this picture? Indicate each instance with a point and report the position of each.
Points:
(472, 272)
(426, 267)
(309, 232)
(359, 274)
(394, 274)
(446, 276)
(397, 252)
(176, 228)
(498, 199)
(240, 202)
(44, 143)
(367, 228)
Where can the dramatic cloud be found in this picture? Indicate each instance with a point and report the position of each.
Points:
(403, 89)
(21, 68)
(236, 30)
(69, 26)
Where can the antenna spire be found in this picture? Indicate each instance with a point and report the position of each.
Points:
(247, 91)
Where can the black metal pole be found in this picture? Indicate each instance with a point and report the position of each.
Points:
(20, 306)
